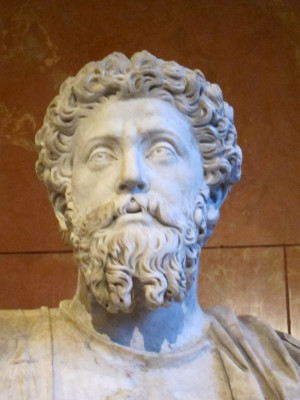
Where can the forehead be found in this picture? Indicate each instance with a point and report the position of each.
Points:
(145, 114)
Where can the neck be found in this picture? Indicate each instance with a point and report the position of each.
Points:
(161, 330)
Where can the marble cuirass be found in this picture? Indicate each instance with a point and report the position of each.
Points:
(47, 354)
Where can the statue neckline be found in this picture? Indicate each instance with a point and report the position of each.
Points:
(75, 313)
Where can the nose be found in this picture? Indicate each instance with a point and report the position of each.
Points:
(133, 177)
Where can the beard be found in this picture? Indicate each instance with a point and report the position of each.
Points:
(160, 255)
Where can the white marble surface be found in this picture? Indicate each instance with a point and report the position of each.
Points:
(138, 156)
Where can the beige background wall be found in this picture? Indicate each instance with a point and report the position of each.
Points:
(250, 48)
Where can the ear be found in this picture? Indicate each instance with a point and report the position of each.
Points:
(63, 228)
(61, 220)
(216, 197)
(59, 202)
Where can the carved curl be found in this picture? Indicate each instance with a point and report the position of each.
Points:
(142, 76)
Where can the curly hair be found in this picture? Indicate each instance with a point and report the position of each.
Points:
(143, 75)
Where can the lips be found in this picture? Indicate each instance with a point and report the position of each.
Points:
(133, 207)
(133, 213)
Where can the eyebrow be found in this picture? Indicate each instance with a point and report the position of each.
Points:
(156, 131)
(152, 133)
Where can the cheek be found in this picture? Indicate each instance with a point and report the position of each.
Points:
(177, 185)
(91, 190)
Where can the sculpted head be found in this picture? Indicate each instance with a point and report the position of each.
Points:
(138, 156)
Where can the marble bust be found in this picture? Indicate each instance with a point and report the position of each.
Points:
(138, 155)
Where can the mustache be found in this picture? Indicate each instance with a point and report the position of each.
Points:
(105, 215)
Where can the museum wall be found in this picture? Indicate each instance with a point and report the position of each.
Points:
(251, 49)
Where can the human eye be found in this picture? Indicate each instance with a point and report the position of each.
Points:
(101, 157)
(161, 151)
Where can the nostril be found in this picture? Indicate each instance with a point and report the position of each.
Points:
(132, 185)
(141, 186)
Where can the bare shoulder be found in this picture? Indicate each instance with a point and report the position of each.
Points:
(22, 329)
(25, 350)
(22, 321)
